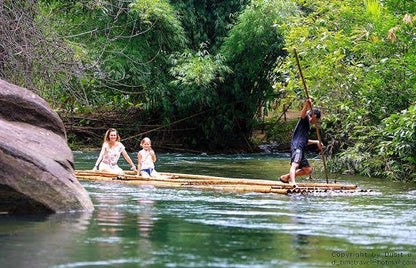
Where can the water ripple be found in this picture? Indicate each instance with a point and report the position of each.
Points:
(99, 263)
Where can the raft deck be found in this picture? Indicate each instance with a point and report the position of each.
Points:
(179, 180)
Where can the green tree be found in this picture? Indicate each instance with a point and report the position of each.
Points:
(251, 49)
(355, 73)
(174, 59)
(196, 76)
(400, 7)
(208, 21)
(123, 46)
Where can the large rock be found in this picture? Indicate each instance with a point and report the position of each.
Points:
(36, 164)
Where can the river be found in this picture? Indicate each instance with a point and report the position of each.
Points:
(145, 226)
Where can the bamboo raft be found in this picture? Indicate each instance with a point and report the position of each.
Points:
(179, 180)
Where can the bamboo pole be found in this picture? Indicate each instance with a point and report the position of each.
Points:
(230, 187)
(316, 127)
(219, 180)
(158, 183)
(192, 176)
(191, 180)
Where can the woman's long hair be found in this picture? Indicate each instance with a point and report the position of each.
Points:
(107, 135)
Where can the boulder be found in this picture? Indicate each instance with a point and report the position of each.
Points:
(36, 165)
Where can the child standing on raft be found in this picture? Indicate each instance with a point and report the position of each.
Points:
(146, 158)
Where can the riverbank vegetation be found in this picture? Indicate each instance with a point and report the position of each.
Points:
(196, 75)
(359, 60)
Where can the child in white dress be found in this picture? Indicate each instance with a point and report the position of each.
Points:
(146, 158)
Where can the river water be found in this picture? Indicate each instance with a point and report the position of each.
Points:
(144, 226)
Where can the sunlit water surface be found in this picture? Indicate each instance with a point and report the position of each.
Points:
(144, 226)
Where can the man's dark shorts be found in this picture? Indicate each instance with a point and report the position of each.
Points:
(298, 156)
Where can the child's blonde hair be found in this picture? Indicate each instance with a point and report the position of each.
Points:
(144, 140)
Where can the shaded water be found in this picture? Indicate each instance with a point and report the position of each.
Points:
(144, 226)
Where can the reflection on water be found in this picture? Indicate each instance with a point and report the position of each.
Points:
(40, 241)
(147, 226)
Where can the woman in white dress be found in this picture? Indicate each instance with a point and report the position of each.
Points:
(110, 153)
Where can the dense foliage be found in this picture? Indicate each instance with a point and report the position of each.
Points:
(251, 49)
(211, 64)
(175, 59)
(359, 63)
(123, 48)
(31, 53)
(208, 21)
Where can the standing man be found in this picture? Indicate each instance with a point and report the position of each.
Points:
(299, 165)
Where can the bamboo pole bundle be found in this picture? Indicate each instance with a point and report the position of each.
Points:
(202, 179)
(238, 188)
(142, 181)
(94, 173)
(258, 181)
(180, 184)
(192, 176)
(215, 183)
